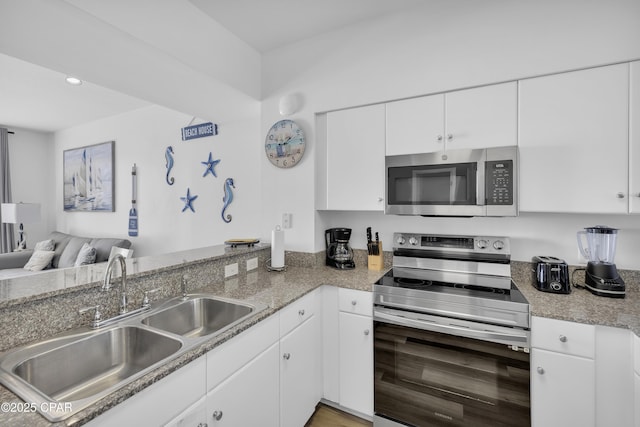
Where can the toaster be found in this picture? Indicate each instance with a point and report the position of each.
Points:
(551, 274)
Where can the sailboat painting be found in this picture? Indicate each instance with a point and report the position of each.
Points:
(88, 178)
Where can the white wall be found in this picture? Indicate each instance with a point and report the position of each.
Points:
(30, 154)
(141, 137)
(441, 46)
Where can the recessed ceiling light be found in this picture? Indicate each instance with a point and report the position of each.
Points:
(73, 81)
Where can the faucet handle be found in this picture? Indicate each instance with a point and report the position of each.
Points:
(97, 316)
(145, 300)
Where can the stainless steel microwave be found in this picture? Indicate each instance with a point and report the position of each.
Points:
(480, 182)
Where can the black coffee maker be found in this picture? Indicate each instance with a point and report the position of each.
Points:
(339, 254)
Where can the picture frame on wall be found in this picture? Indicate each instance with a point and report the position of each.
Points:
(88, 178)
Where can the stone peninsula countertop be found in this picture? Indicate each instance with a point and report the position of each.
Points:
(278, 289)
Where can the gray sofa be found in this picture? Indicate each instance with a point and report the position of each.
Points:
(66, 250)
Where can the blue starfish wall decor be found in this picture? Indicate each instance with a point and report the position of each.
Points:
(210, 164)
(188, 201)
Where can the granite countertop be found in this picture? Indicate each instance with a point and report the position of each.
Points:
(278, 289)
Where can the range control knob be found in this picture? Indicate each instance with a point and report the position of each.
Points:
(498, 245)
(400, 240)
(482, 243)
(413, 241)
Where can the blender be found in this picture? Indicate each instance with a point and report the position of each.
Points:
(339, 254)
(601, 275)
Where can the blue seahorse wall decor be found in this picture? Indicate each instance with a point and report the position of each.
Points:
(168, 155)
(227, 199)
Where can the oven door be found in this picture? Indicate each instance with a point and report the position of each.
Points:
(429, 377)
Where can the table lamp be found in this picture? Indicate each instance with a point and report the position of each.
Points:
(19, 213)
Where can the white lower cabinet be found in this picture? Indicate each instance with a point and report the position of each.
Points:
(194, 416)
(300, 373)
(249, 397)
(356, 362)
(562, 374)
(161, 401)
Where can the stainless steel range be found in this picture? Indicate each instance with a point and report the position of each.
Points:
(451, 335)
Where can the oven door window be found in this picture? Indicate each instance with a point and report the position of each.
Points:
(453, 184)
(425, 378)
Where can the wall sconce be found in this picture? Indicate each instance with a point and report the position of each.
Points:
(289, 104)
(19, 213)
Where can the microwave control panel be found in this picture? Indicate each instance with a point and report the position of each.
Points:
(499, 182)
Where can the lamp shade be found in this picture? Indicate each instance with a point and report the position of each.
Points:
(18, 213)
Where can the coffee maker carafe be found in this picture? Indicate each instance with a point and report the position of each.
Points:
(339, 254)
(601, 275)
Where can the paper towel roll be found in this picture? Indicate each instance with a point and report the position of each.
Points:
(277, 248)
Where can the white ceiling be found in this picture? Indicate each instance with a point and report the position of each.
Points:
(269, 24)
(37, 98)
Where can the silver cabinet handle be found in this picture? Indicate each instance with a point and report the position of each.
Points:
(202, 425)
(449, 137)
(217, 415)
(540, 370)
(354, 302)
(562, 338)
(366, 332)
(439, 138)
(620, 195)
(301, 312)
(380, 199)
(286, 356)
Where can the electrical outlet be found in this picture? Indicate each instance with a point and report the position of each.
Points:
(252, 264)
(286, 220)
(231, 270)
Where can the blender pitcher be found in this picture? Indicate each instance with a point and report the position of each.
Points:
(601, 244)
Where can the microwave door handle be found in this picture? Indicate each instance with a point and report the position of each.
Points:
(481, 176)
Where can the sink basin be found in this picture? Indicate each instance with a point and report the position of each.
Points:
(199, 316)
(83, 369)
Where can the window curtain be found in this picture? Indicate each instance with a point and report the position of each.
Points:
(6, 230)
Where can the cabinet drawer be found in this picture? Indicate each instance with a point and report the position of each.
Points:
(298, 311)
(355, 302)
(564, 337)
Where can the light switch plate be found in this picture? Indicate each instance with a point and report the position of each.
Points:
(286, 220)
(231, 270)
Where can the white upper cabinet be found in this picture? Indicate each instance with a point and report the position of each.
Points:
(354, 160)
(573, 141)
(415, 125)
(634, 141)
(472, 118)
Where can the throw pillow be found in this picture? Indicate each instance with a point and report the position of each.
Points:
(45, 245)
(87, 255)
(39, 260)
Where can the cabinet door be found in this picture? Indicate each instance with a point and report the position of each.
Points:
(356, 362)
(574, 141)
(300, 373)
(355, 159)
(415, 125)
(634, 142)
(562, 390)
(193, 416)
(482, 117)
(249, 397)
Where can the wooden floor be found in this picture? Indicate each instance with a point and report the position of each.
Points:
(326, 416)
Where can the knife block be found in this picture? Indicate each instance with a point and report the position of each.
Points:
(376, 262)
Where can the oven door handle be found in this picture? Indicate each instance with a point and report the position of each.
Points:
(510, 336)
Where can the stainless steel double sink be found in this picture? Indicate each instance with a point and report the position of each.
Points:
(63, 375)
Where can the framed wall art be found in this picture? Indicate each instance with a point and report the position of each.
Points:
(88, 178)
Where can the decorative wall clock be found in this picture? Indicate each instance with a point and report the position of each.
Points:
(284, 144)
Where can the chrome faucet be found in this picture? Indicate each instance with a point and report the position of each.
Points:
(97, 321)
(106, 284)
